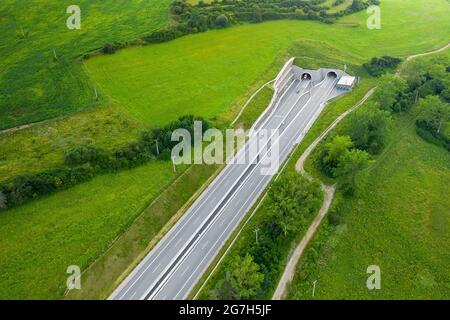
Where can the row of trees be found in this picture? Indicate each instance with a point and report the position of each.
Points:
(83, 162)
(190, 18)
(292, 201)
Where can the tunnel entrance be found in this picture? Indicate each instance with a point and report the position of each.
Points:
(306, 76)
(332, 74)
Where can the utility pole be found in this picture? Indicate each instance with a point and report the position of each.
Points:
(96, 93)
(314, 287)
(54, 55)
(157, 147)
(256, 234)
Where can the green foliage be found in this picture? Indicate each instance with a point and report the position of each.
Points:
(399, 221)
(378, 66)
(86, 154)
(222, 21)
(350, 171)
(109, 48)
(388, 90)
(292, 202)
(369, 129)
(292, 198)
(89, 160)
(245, 278)
(192, 18)
(3, 201)
(25, 188)
(332, 152)
(433, 113)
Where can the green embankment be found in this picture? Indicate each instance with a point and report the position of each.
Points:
(400, 222)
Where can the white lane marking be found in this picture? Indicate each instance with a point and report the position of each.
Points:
(156, 268)
(171, 272)
(314, 116)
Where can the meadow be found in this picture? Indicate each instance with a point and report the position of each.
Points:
(203, 74)
(33, 86)
(209, 74)
(42, 238)
(400, 222)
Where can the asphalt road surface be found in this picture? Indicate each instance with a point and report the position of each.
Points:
(175, 265)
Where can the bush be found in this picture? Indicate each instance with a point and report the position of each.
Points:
(109, 48)
(222, 21)
(368, 128)
(378, 66)
(24, 188)
(86, 154)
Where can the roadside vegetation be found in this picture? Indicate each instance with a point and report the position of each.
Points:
(249, 271)
(84, 161)
(399, 218)
(209, 75)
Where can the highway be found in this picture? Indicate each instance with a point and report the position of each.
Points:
(176, 263)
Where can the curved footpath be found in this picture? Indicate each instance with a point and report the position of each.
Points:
(328, 190)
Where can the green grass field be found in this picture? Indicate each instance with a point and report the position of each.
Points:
(209, 74)
(42, 147)
(73, 227)
(203, 74)
(32, 86)
(401, 222)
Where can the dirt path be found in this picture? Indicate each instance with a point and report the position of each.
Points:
(328, 190)
(414, 56)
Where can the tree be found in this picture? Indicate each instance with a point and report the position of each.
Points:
(434, 113)
(244, 278)
(222, 21)
(368, 129)
(332, 151)
(388, 90)
(109, 48)
(3, 201)
(292, 199)
(350, 171)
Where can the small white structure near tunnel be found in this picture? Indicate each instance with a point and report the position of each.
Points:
(346, 83)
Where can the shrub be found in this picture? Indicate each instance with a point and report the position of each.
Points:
(86, 154)
(109, 48)
(222, 21)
